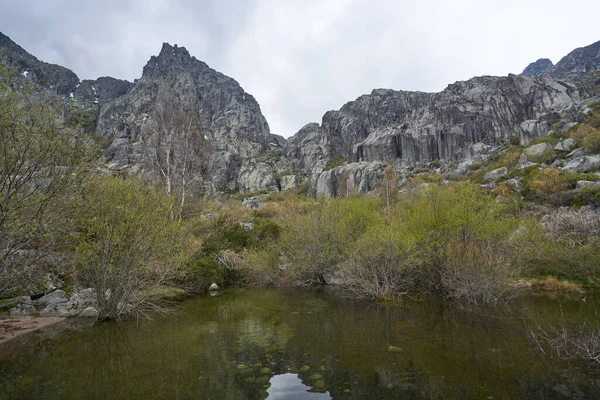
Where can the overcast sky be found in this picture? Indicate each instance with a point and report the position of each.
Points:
(300, 58)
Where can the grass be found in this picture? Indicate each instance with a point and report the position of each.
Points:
(552, 284)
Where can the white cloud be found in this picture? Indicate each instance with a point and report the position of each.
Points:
(300, 58)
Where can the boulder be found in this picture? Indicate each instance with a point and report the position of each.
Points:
(582, 184)
(89, 312)
(583, 164)
(496, 174)
(57, 304)
(538, 152)
(566, 145)
(254, 202)
(213, 287)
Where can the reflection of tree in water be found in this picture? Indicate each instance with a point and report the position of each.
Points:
(232, 345)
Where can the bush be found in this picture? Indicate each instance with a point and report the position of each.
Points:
(336, 161)
(380, 266)
(42, 165)
(543, 253)
(128, 244)
(549, 181)
(463, 241)
(592, 141)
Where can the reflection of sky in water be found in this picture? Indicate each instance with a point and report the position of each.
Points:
(290, 387)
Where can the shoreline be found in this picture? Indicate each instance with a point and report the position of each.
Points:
(13, 327)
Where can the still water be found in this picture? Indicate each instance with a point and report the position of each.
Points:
(305, 344)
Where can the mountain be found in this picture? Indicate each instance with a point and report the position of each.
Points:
(231, 118)
(467, 122)
(538, 67)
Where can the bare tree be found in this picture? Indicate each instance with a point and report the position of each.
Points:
(175, 148)
(388, 186)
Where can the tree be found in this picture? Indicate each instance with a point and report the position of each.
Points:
(388, 186)
(128, 244)
(175, 149)
(41, 160)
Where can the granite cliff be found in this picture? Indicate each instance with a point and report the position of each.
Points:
(465, 123)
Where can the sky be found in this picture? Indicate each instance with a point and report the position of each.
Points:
(301, 58)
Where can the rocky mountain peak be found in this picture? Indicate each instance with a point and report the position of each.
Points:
(583, 59)
(169, 58)
(538, 67)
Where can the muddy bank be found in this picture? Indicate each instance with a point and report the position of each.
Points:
(11, 327)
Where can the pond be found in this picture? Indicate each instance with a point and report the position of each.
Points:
(305, 344)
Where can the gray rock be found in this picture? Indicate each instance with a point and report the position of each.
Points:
(289, 182)
(254, 202)
(57, 304)
(361, 177)
(54, 78)
(89, 312)
(256, 177)
(53, 298)
(566, 145)
(538, 67)
(582, 184)
(583, 59)
(538, 152)
(231, 118)
(496, 174)
(578, 152)
(583, 164)
(514, 182)
(213, 287)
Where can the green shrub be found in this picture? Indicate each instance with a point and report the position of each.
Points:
(592, 141)
(128, 244)
(336, 161)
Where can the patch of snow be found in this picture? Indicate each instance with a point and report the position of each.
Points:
(79, 84)
(205, 137)
(71, 95)
(244, 96)
(25, 73)
(94, 89)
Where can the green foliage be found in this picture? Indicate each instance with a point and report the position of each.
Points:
(80, 118)
(592, 141)
(336, 161)
(540, 254)
(128, 244)
(462, 237)
(42, 162)
(514, 141)
(589, 195)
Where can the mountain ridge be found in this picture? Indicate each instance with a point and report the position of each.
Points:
(466, 122)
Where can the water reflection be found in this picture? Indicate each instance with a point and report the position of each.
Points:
(290, 387)
(269, 343)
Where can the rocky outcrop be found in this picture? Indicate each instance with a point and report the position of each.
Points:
(583, 59)
(57, 304)
(468, 120)
(465, 123)
(351, 178)
(54, 78)
(538, 67)
(101, 91)
(231, 118)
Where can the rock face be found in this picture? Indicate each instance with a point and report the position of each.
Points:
(101, 90)
(54, 78)
(538, 67)
(465, 123)
(468, 120)
(231, 118)
(583, 59)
